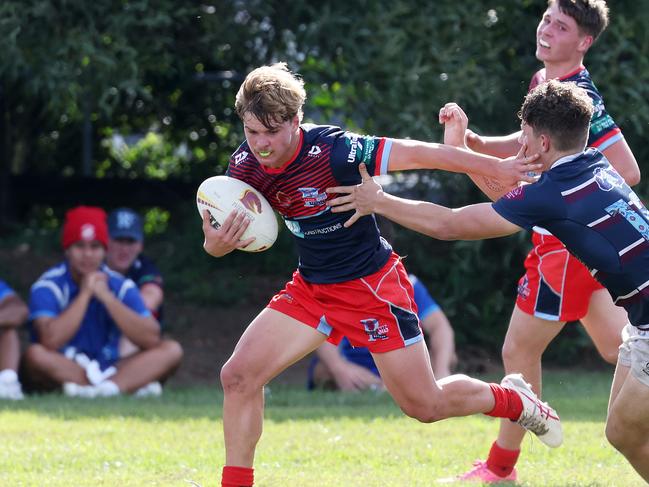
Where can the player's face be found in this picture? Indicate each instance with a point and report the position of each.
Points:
(275, 146)
(533, 143)
(558, 39)
(121, 253)
(85, 257)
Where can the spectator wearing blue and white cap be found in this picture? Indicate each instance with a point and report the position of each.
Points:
(124, 255)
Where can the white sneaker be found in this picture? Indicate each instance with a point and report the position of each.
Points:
(10, 387)
(152, 389)
(105, 389)
(72, 389)
(537, 416)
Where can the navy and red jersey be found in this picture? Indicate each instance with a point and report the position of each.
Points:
(327, 156)
(587, 205)
(603, 130)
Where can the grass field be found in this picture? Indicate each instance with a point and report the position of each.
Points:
(310, 439)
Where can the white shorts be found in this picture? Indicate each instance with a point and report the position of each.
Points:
(634, 352)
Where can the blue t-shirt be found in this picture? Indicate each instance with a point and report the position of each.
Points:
(5, 290)
(98, 335)
(587, 205)
(327, 156)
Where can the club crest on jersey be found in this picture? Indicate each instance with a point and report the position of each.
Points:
(251, 201)
(515, 194)
(315, 151)
(283, 199)
(375, 331)
(240, 157)
(312, 197)
(607, 178)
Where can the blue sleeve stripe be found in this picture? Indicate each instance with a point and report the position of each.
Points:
(385, 157)
(5, 293)
(423, 313)
(42, 314)
(609, 142)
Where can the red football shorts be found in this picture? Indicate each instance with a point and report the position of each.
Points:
(556, 286)
(376, 311)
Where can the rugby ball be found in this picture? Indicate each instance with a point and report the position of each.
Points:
(222, 194)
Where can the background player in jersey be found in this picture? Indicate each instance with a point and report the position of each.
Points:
(124, 254)
(350, 369)
(556, 287)
(348, 282)
(13, 314)
(582, 200)
(79, 309)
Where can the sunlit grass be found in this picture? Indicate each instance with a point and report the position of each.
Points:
(310, 439)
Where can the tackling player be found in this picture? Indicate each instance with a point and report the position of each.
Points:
(586, 204)
(556, 287)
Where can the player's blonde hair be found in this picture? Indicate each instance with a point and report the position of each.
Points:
(273, 94)
(591, 16)
(560, 109)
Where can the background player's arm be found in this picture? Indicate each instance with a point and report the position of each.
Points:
(457, 134)
(502, 146)
(413, 154)
(622, 159)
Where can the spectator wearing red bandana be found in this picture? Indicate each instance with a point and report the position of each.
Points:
(79, 311)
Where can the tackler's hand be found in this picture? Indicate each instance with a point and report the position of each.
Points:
(519, 168)
(361, 198)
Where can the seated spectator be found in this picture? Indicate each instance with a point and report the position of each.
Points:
(13, 313)
(124, 255)
(348, 368)
(80, 309)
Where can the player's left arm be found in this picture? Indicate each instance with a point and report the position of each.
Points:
(622, 159)
(471, 222)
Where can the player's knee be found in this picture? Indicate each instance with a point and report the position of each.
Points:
(509, 353)
(235, 379)
(622, 438)
(424, 413)
(610, 354)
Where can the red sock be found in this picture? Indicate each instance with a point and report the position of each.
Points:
(237, 477)
(508, 403)
(501, 461)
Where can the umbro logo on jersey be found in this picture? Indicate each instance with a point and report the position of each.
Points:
(315, 150)
(240, 157)
(645, 369)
